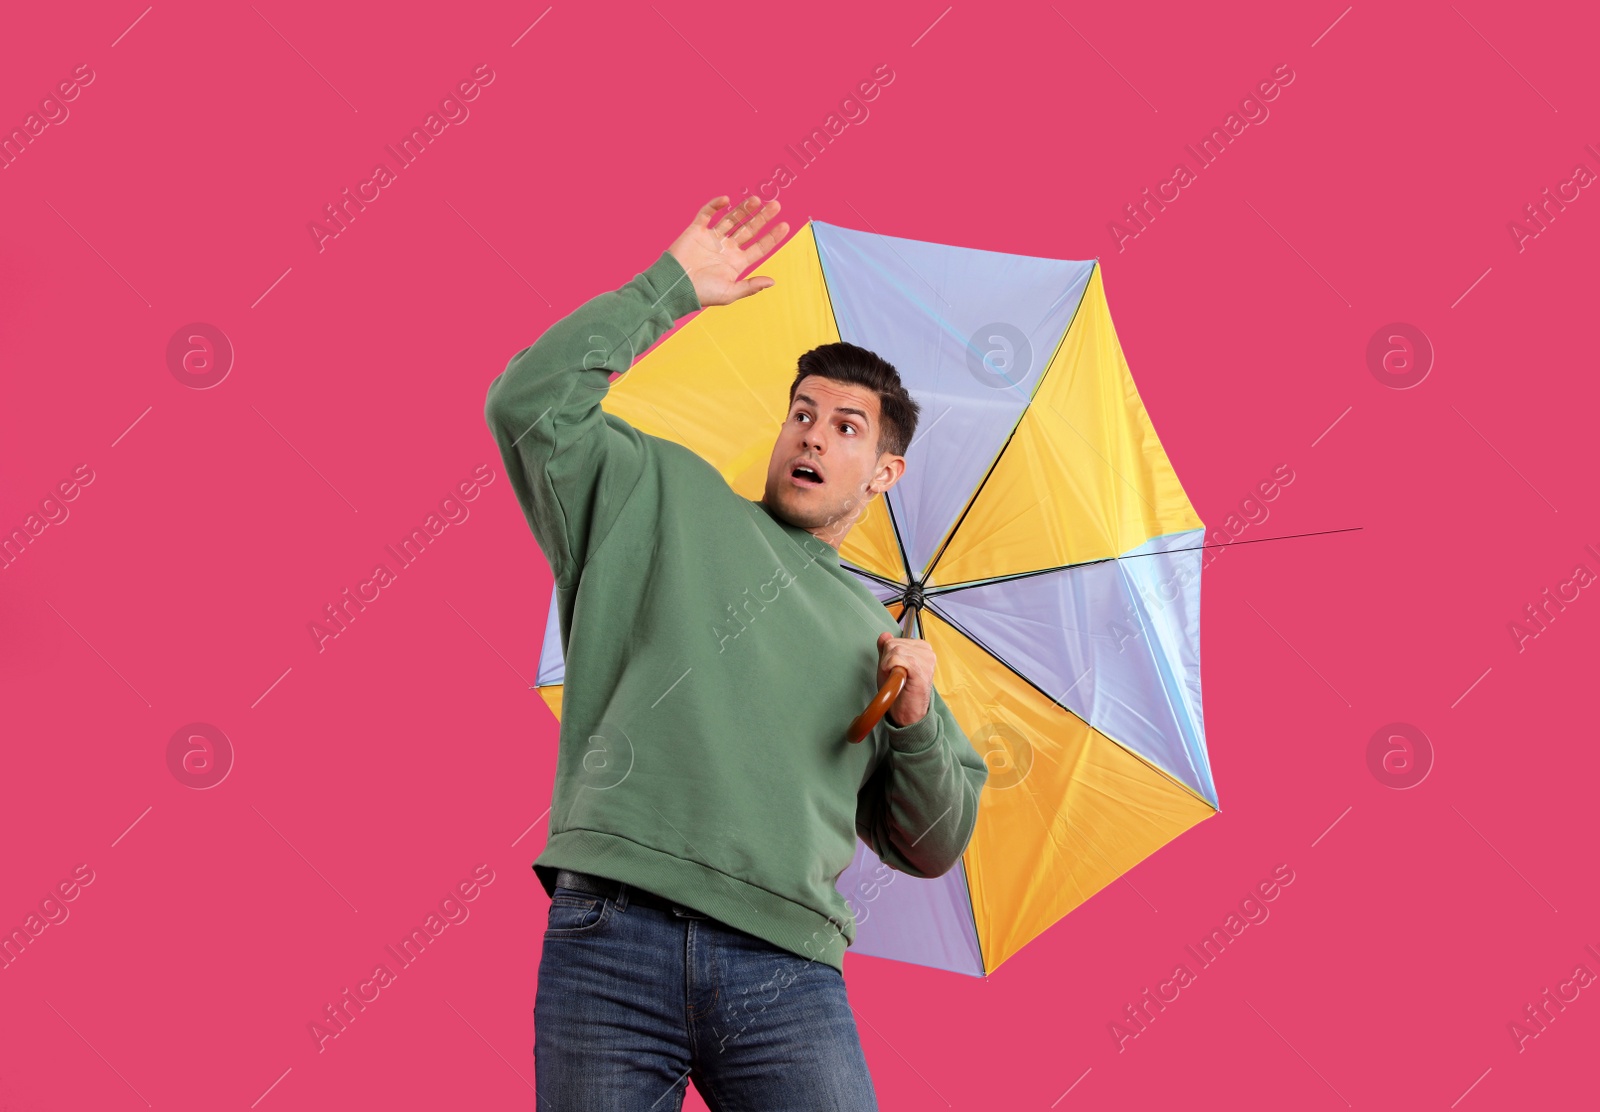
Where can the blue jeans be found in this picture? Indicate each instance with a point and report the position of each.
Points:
(634, 1002)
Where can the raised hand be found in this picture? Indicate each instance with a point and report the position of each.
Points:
(713, 258)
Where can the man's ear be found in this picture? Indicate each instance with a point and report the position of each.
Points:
(888, 473)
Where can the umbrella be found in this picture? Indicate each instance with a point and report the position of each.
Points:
(1039, 540)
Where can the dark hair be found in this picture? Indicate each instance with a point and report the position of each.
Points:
(845, 362)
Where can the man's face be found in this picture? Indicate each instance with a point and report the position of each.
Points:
(832, 428)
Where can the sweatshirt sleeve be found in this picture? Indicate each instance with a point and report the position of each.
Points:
(919, 807)
(571, 464)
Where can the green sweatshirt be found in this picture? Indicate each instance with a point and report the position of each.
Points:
(714, 657)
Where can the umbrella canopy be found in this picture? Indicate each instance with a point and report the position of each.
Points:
(1041, 524)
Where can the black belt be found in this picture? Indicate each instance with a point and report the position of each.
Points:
(610, 889)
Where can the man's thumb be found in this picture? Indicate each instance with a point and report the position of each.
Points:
(754, 285)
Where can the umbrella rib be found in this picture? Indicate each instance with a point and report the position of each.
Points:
(899, 541)
(947, 588)
(871, 574)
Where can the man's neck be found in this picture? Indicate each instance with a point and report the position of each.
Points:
(830, 534)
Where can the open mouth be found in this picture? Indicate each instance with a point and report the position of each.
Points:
(805, 475)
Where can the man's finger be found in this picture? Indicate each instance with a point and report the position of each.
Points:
(735, 214)
(750, 286)
(703, 217)
(762, 217)
(756, 251)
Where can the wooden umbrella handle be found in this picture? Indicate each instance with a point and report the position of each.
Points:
(881, 702)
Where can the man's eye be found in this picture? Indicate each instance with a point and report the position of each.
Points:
(848, 425)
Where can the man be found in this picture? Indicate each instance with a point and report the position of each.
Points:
(706, 799)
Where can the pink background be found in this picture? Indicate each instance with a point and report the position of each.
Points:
(371, 777)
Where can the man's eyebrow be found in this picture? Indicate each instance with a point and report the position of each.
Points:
(812, 402)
